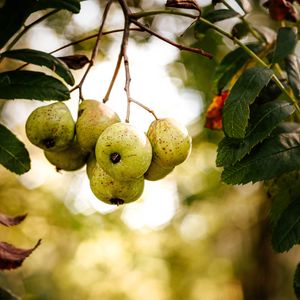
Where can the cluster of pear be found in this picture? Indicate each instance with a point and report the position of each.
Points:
(118, 156)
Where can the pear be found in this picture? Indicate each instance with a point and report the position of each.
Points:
(70, 159)
(123, 152)
(51, 127)
(112, 191)
(93, 118)
(156, 172)
(90, 165)
(171, 143)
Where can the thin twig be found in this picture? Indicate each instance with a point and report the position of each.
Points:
(94, 52)
(144, 107)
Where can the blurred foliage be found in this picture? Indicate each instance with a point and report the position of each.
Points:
(216, 246)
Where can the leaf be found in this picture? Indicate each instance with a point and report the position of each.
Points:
(263, 120)
(231, 64)
(11, 221)
(31, 85)
(236, 109)
(187, 4)
(12, 257)
(293, 72)
(296, 283)
(240, 30)
(274, 156)
(215, 16)
(14, 13)
(13, 154)
(7, 295)
(285, 44)
(286, 233)
(76, 61)
(41, 58)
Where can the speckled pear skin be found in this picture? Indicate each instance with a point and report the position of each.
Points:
(51, 127)
(93, 118)
(156, 172)
(132, 146)
(70, 159)
(171, 143)
(91, 164)
(112, 191)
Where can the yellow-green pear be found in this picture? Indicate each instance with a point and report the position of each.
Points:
(70, 159)
(90, 165)
(93, 118)
(123, 151)
(171, 143)
(112, 191)
(156, 172)
(51, 127)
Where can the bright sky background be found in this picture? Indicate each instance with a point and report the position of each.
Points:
(150, 85)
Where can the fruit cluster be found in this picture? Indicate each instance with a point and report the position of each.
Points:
(117, 155)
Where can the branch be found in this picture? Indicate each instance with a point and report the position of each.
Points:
(95, 50)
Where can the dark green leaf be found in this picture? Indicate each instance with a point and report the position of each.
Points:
(31, 85)
(263, 120)
(231, 64)
(286, 233)
(297, 282)
(236, 109)
(42, 59)
(274, 156)
(14, 13)
(215, 16)
(285, 44)
(13, 154)
(293, 72)
(239, 30)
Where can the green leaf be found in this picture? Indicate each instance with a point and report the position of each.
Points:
(263, 120)
(296, 283)
(292, 66)
(286, 233)
(236, 109)
(31, 85)
(274, 156)
(14, 13)
(231, 64)
(214, 16)
(13, 154)
(41, 58)
(285, 44)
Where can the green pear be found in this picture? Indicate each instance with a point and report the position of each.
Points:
(51, 127)
(171, 143)
(112, 191)
(156, 172)
(70, 159)
(91, 164)
(123, 152)
(93, 118)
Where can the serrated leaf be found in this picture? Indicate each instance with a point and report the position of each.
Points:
(296, 283)
(285, 44)
(292, 66)
(13, 154)
(263, 120)
(215, 16)
(41, 58)
(14, 13)
(231, 64)
(286, 233)
(31, 85)
(236, 109)
(274, 156)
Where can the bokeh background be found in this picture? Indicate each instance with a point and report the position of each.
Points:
(189, 236)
